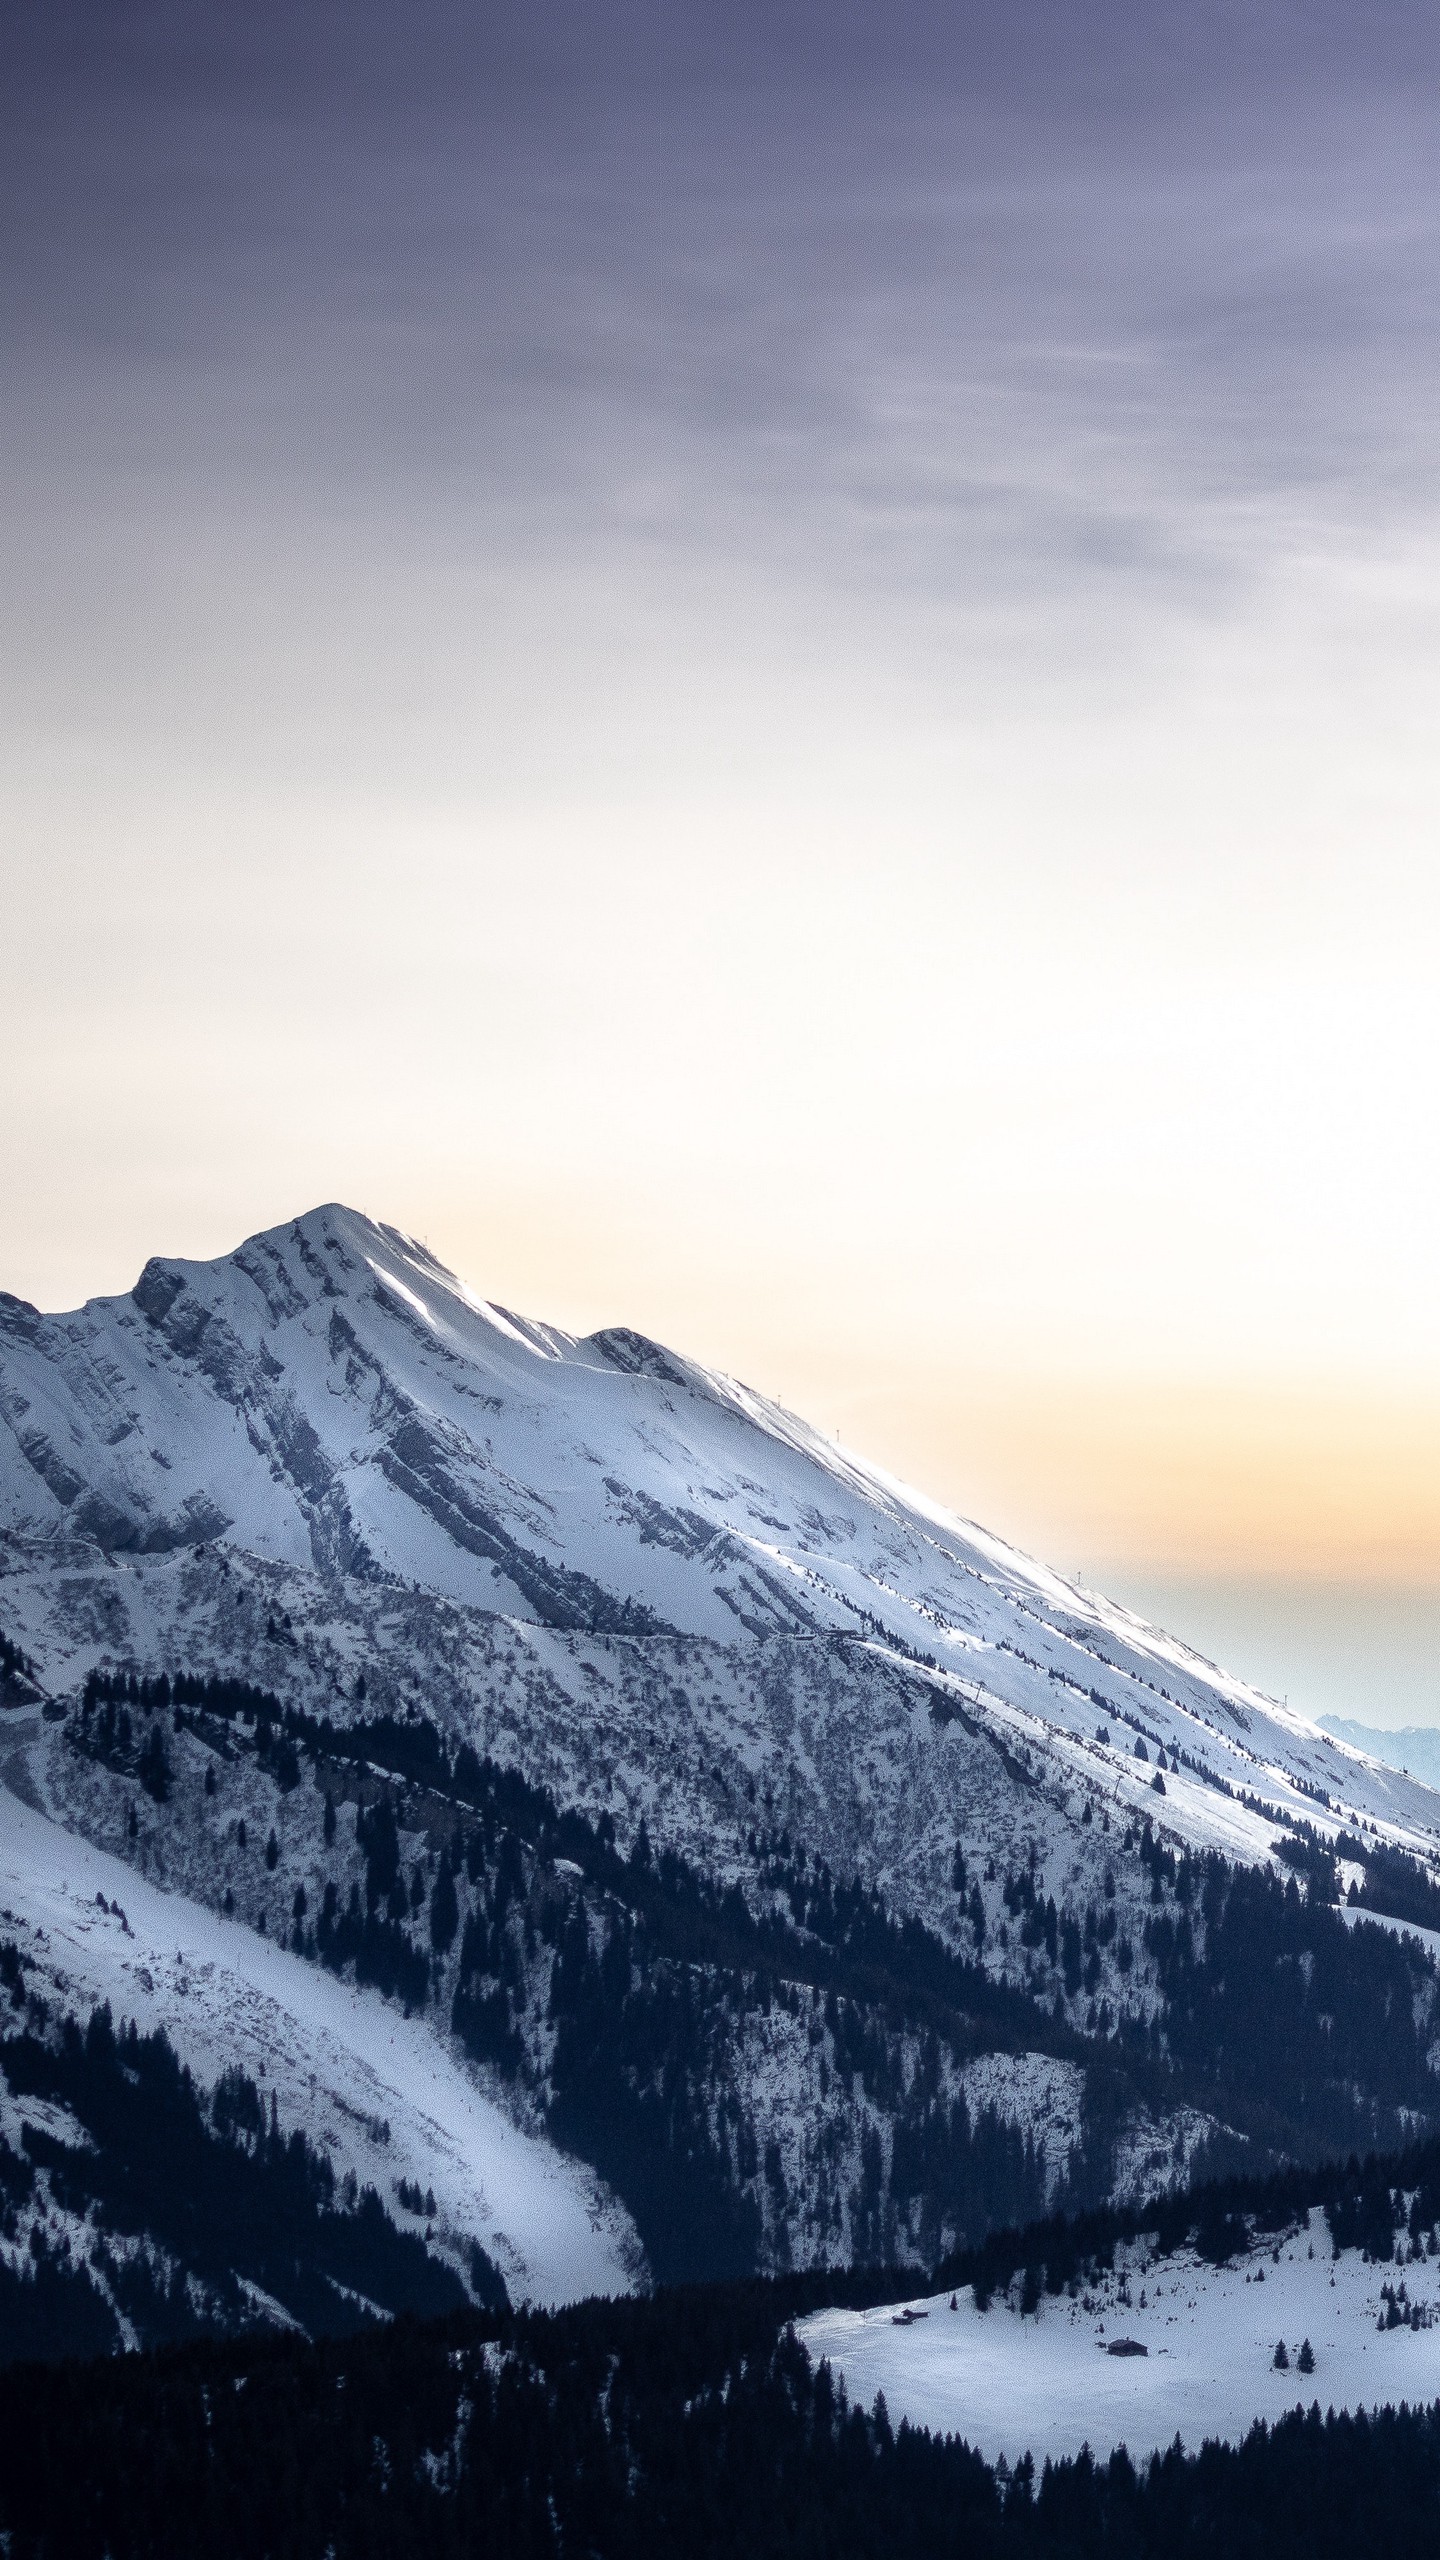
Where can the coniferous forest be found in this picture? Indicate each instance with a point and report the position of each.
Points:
(693, 2422)
(1269, 2014)
(208, 2216)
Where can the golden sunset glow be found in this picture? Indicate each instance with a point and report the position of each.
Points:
(880, 832)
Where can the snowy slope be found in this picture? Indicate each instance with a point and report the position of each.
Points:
(381, 2094)
(323, 1465)
(1044, 2384)
(578, 1548)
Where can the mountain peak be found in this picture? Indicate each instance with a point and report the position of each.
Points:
(454, 1562)
(407, 1465)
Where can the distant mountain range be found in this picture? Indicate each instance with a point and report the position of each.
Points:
(807, 1870)
(1415, 1748)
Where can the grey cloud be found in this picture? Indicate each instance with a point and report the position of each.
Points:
(969, 308)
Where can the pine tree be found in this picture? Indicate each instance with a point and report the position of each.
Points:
(444, 1910)
(155, 1767)
(1282, 2356)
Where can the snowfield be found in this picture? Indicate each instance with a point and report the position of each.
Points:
(1044, 2383)
(381, 2093)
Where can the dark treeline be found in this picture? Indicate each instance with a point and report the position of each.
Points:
(653, 1974)
(207, 1692)
(1288, 2015)
(1393, 1883)
(857, 1944)
(1274, 2014)
(192, 2202)
(690, 2423)
(1300, 2031)
(1379, 2204)
(1262, 2046)
(640, 2090)
(375, 1939)
(16, 1668)
(111, 1701)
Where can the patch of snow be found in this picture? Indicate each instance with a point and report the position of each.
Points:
(1044, 2383)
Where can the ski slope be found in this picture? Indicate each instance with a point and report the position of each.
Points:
(383, 2094)
(1045, 2384)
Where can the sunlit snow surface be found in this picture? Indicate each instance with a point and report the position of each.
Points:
(394, 1468)
(1044, 2384)
(380, 1452)
(342, 2063)
(324, 1466)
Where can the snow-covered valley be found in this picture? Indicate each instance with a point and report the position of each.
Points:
(1050, 2380)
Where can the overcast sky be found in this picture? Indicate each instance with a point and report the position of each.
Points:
(773, 671)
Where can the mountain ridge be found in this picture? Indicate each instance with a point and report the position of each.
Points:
(203, 1408)
(322, 1471)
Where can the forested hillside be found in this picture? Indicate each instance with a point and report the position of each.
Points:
(779, 2070)
(137, 2209)
(833, 1881)
(695, 2422)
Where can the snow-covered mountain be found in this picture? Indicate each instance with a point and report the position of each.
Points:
(322, 1457)
(321, 1467)
(1415, 1748)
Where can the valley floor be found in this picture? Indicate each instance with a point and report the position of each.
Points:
(1044, 2384)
